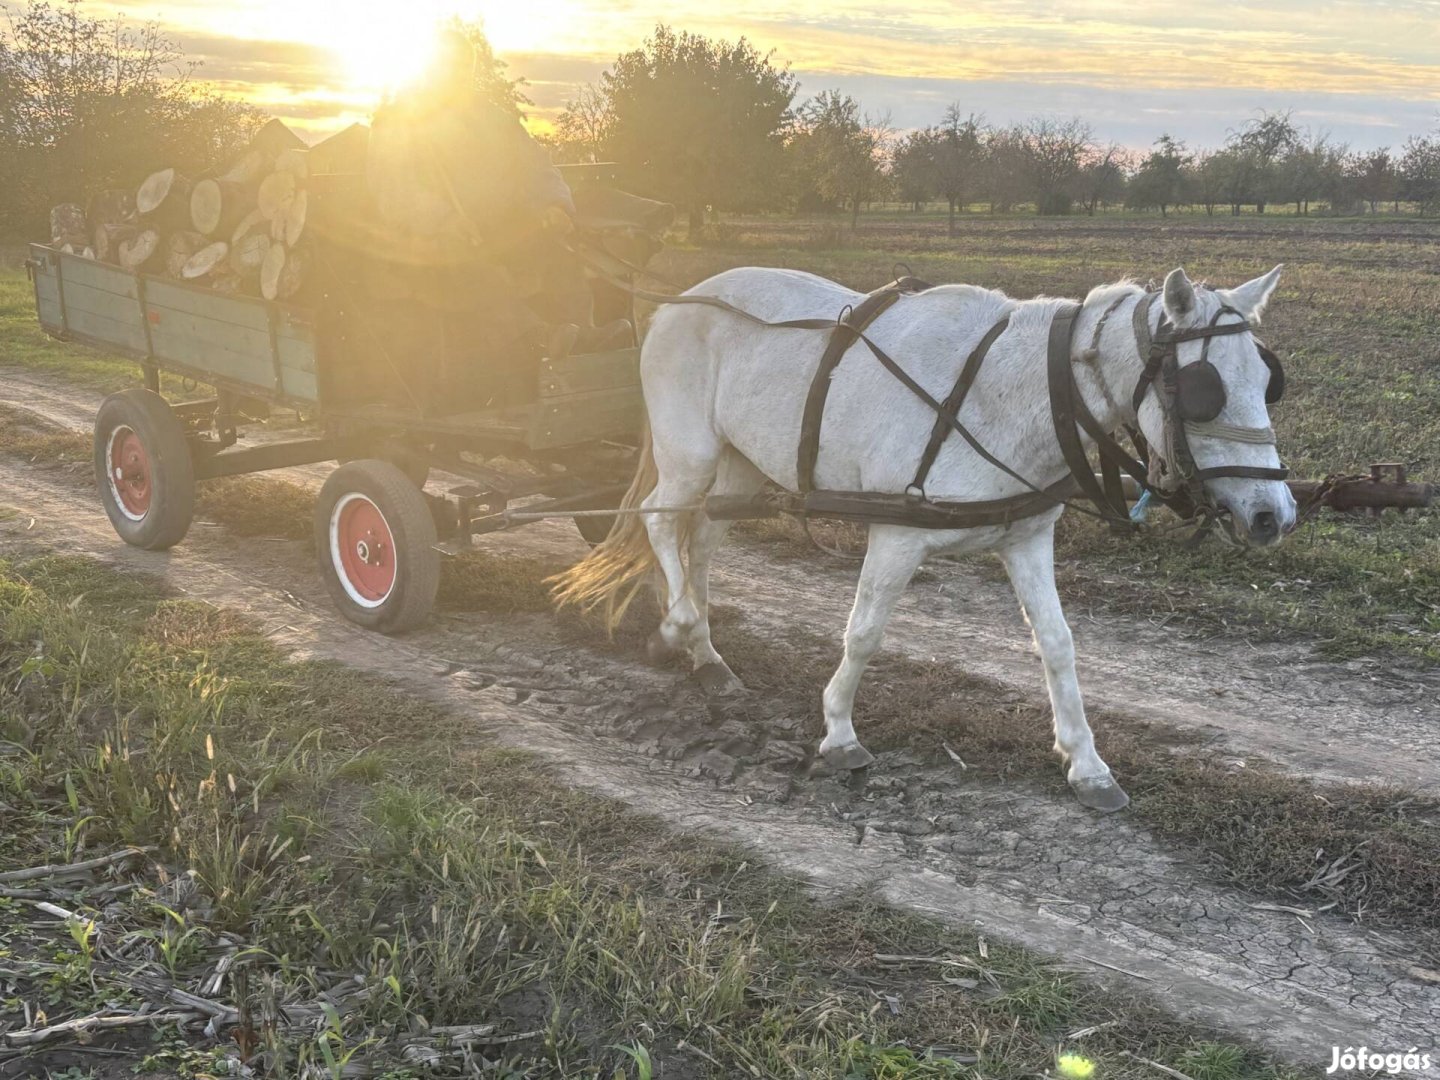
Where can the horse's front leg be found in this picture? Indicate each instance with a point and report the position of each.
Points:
(1030, 563)
(890, 562)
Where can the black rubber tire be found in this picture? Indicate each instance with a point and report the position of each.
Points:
(170, 469)
(411, 597)
(410, 462)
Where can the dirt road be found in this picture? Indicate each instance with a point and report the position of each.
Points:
(1021, 863)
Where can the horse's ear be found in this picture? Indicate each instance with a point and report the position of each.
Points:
(1250, 299)
(1180, 302)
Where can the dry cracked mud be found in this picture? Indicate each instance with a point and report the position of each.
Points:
(1019, 861)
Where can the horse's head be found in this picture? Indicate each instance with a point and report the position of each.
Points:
(1211, 421)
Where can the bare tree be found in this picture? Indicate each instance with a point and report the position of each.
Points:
(959, 158)
(1054, 152)
(583, 129)
(1104, 176)
(1374, 177)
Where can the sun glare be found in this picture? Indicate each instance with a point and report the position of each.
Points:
(381, 46)
(386, 51)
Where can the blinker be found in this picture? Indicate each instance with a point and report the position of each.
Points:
(1199, 392)
(1275, 388)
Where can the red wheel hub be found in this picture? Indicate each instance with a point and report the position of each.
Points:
(130, 472)
(364, 548)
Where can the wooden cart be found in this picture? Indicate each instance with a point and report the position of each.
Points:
(569, 445)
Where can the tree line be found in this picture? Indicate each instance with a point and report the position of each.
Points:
(88, 104)
(716, 125)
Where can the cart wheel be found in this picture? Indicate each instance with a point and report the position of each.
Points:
(406, 460)
(144, 470)
(375, 539)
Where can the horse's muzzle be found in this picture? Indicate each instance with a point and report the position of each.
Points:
(1264, 529)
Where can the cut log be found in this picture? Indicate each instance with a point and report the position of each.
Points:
(254, 221)
(225, 280)
(204, 261)
(294, 161)
(295, 218)
(271, 271)
(136, 252)
(217, 206)
(164, 199)
(113, 207)
(277, 192)
(248, 168)
(247, 256)
(343, 152)
(292, 274)
(108, 239)
(67, 226)
(178, 249)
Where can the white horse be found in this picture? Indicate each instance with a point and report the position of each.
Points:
(725, 398)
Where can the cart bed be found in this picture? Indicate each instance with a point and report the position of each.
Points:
(273, 352)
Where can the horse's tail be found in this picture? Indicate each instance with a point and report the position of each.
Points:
(609, 577)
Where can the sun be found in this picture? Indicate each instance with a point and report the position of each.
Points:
(380, 52)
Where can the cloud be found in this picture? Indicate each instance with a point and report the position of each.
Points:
(1367, 70)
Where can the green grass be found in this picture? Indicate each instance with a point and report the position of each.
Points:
(24, 344)
(452, 881)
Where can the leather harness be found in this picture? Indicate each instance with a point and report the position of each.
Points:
(1171, 476)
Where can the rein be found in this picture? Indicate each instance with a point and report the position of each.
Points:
(1069, 414)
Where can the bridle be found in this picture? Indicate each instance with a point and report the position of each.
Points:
(1191, 398)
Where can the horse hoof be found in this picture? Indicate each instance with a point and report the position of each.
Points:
(1101, 793)
(659, 651)
(718, 680)
(851, 757)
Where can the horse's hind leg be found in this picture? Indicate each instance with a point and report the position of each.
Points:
(735, 476)
(685, 471)
(890, 562)
(1030, 562)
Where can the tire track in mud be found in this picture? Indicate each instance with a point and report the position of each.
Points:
(1020, 863)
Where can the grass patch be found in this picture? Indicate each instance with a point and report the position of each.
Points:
(498, 584)
(1353, 586)
(440, 881)
(24, 344)
(258, 506)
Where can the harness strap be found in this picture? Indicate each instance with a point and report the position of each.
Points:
(952, 405)
(1070, 414)
(848, 329)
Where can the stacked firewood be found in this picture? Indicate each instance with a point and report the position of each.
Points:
(238, 229)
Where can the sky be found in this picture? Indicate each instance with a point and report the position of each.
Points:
(1366, 72)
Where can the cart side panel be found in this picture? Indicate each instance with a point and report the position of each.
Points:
(47, 290)
(588, 397)
(98, 314)
(80, 298)
(231, 338)
(240, 343)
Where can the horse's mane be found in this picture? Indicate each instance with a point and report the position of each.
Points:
(1107, 294)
